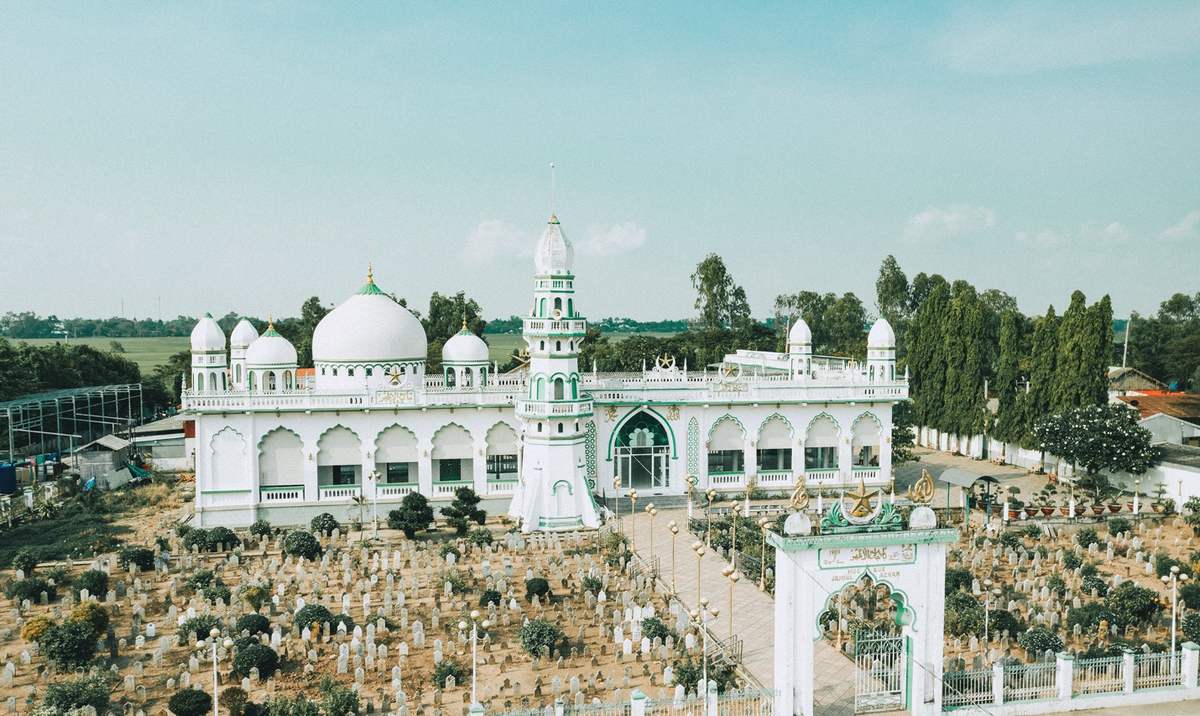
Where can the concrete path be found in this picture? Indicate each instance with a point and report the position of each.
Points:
(753, 611)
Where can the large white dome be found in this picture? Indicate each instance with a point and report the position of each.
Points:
(465, 347)
(271, 349)
(881, 335)
(554, 254)
(243, 334)
(369, 327)
(207, 336)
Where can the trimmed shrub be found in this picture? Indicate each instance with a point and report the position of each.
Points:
(481, 537)
(340, 619)
(414, 515)
(195, 537)
(261, 528)
(592, 585)
(539, 633)
(190, 702)
(536, 587)
(1038, 640)
(25, 560)
(234, 699)
(93, 614)
(964, 614)
(463, 510)
(142, 557)
(198, 628)
(90, 690)
(311, 614)
(490, 596)
(302, 544)
(69, 644)
(1011, 539)
(653, 627)
(258, 656)
(93, 580)
(1093, 583)
(446, 669)
(1131, 604)
(31, 589)
(1086, 536)
(1088, 570)
(958, 579)
(1117, 525)
(34, 627)
(254, 623)
(221, 537)
(200, 579)
(324, 524)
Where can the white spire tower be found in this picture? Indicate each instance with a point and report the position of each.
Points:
(553, 493)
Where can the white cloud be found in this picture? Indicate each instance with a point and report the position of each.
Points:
(612, 240)
(1025, 37)
(951, 222)
(1188, 228)
(1090, 234)
(493, 239)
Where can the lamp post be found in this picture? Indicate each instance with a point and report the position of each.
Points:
(700, 620)
(989, 591)
(375, 501)
(711, 496)
(698, 548)
(617, 488)
(733, 515)
(652, 511)
(763, 522)
(1173, 579)
(1137, 490)
(475, 624)
(674, 533)
(733, 575)
(692, 481)
(213, 634)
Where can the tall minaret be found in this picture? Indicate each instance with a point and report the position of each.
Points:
(553, 493)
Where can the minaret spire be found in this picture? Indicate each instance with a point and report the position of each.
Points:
(553, 208)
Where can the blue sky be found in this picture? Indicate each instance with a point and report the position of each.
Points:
(243, 156)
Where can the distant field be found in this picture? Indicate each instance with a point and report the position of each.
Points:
(148, 353)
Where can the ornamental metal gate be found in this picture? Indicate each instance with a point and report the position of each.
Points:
(881, 670)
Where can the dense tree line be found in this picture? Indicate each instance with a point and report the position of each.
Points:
(26, 369)
(1167, 344)
(27, 324)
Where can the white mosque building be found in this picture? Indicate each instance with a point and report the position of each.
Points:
(366, 425)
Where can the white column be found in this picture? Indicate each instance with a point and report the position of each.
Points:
(750, 456)
(310, 471)
(998, 683)
(1128, 669)
(425, 471)
(1191, 664)
(1064, 675)
(479, 468)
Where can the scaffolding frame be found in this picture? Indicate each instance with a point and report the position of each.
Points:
(42, 422)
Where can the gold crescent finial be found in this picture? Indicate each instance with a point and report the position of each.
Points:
(370, 273)
(464, 322)
(799, 501)
(921, 492)
(270, 323)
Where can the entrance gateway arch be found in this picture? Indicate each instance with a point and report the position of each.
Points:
(863, 549)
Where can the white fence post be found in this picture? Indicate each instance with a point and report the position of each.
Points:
(998, 683)
(712, 698)
(1128, 669)
(1064, 675)
(1191, 664)
(637, 703)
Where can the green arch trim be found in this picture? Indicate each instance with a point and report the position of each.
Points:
(727, 417)
(612, 436)
(897, 595)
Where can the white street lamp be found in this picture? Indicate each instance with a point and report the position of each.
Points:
(213, 634)
(1173, 579)
(475, 624)
(700, 621)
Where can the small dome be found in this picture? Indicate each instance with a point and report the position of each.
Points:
(243, 334)
(271, 349)
(207, 336)
(882, 335)
(369, 327)
(465, 347)
(800, 334)
(554, 254)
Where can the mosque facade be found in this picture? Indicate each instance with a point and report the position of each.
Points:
(365, 425)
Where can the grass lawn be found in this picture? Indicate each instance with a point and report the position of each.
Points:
(148, 353)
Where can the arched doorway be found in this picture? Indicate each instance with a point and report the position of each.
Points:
(643, 452)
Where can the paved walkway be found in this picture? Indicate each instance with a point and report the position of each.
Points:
(753, 611)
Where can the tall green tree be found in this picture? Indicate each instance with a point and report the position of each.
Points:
(1039, 401)
(927, 379)
(1072, 362)
(720, 302)
(446, 317)
(1010, 422)
(891, 292)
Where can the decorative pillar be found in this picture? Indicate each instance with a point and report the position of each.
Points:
(637, 703)
(479, 469)
(1191, 664)
(1064, 675)
(998, 683)
(425, 472)
(1128, 669)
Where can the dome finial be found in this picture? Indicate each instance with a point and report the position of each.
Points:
(370, 273)
(553, 209)
(270, 323)
(464, 325)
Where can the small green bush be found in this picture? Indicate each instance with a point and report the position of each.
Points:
(93, 614)
(964, 614)
(1163, 563)
(1132, 604)
(446, 669)
(93, 580)
(538, 633)
(190, 702)
(200, 579)
(591, 585)
(258, 656)
(255, 595)
(340, 619)
(302, 544)
(456, 580)
(536, 587)
(31, 589)
(1191, 627)
(141, 557)
(25, 560)
(324, 524)
(195, 537)
(69, 644)
(1189, 593)
(337, 700)
(1037, 640)
(1095, 583)
(449, 548)
(253, 623)
(481, 537)
(261, 528)
(91, 690)
(1117, 525)
(414, 515)
(1086, 536)
(1072, 561)
(234, 699)
(198, 627)
(490, 596)
(1011, 539)
(1088, 616)
(221, 537)
(1057, 585)
(312, 616)
(217, 590)
(958, 579)
(689, 672)
(653, 627)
